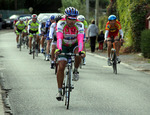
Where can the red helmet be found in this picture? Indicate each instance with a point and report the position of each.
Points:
(34, 16)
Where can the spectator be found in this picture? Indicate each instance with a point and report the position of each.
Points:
(92, 33)
(101, 40)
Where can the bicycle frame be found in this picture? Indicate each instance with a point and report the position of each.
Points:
(67, 84)
(34, 46)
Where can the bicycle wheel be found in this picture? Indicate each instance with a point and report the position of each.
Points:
(115, 63)
(68, 89)
(20, 43)
(33, 50)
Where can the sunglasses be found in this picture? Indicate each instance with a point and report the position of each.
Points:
(71, 19)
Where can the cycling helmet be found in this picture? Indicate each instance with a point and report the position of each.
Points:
(52, 17)
(81, 18)
(21, 19)
(44, 19)
(34, 16)
(71, 11)
(58, 18)
(112, 17)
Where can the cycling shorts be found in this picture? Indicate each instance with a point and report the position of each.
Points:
(66, 49)
(33, 32)
(20, 31)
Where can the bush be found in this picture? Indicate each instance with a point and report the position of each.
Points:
(145, 43)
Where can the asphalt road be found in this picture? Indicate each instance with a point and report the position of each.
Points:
(98, 91)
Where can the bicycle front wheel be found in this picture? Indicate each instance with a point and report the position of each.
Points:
(68, 89)
(115, 63)
(20, 43)
(33, 50)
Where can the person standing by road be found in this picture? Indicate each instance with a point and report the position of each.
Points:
(101, 40)
(92, 33)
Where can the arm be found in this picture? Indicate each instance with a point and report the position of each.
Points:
(59, 34)
(106, 34)
(80, 37)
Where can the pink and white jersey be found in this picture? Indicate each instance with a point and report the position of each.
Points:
(68, 36)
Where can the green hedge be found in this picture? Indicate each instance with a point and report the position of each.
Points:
(145, 43)
(132, 17)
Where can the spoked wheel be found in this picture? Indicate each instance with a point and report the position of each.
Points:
(68, 90)
(114, 62)
(20, 43)
(33, 50)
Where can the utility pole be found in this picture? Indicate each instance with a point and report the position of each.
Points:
(87, 9)
(96, 11)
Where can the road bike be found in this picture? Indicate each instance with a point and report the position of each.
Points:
(113, 55)
(34, 46)
(67, 83)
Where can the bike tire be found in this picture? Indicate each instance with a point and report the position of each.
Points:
(20, 43)
(115, 63)
(69, 88)
(33, 50)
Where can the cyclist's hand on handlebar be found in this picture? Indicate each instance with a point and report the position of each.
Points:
(82, 53)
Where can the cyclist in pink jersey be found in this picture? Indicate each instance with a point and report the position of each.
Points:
(70, 34)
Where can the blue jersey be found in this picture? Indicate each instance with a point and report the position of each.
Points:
(48, 24)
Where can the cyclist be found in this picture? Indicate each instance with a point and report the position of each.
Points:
(42, 32)
(52, 35)
(20, 26)
(33, 26)
(70, 34)
(82, 19)
(48, 24)
(113, 28)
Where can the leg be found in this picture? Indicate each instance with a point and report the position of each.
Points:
(17, 38)
(30, 42)
(60, 78)
(108, 47)
(76, 65)
(60, 73)
(77, 58)
(52, 55)
(117, 45)
(38, 41)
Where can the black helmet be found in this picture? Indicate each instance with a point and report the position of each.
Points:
(58, 18)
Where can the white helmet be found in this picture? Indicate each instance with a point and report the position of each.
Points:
(81, 18)
(44, 19)
(21, 19)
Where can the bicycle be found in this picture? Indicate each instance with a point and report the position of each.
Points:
(67, 83)
(34, 46)
(20, 40)
(113, 55)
